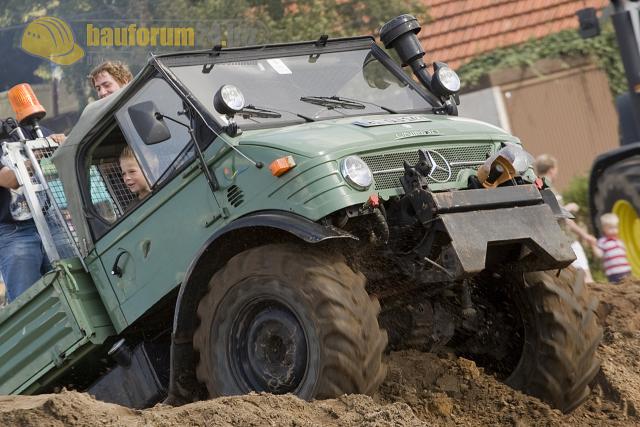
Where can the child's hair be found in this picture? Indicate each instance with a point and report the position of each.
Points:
(544, 163)
(609, 220)
(127, 153)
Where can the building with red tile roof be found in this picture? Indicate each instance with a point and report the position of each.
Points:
(462, 29)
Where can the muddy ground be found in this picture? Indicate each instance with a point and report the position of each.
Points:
(420, 389)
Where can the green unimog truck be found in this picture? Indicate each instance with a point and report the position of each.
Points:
(312, 206)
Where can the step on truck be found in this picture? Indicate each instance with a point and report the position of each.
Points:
(313, 205)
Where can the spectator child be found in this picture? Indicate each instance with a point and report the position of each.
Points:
(132, 175)
(611, 249)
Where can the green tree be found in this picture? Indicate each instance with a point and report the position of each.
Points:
(289, 20)
(603, 49)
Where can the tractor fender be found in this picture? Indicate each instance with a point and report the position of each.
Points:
(246, 232)
(601, 163)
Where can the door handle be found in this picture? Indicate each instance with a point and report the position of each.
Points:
(116, 270)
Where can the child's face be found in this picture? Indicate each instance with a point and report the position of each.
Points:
(133, 177)
(610, 230)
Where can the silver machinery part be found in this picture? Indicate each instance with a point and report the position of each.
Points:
(56, 230)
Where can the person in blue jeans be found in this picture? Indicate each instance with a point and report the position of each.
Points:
(22, 257)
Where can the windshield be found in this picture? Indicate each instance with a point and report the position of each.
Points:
(302, 88)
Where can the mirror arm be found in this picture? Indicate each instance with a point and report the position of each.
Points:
(161, 116)
(211, 179)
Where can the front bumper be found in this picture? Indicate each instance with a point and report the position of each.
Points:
(478, 236)
(514, 228)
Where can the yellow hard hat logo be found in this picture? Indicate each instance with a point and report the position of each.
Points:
(51, 38)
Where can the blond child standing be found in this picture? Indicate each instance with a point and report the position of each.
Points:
(612, 250)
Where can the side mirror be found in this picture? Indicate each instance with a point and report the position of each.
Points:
(148, 122)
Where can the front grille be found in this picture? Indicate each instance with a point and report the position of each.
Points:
(388, 168)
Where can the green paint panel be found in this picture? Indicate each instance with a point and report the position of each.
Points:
(156, 244)
(40, 330)
(335, 136)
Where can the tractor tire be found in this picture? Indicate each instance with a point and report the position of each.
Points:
(618, 191)
(561, 335)
(281, 318)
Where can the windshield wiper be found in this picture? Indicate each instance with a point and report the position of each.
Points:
(341, 102)
(263, 113)
(332, 102)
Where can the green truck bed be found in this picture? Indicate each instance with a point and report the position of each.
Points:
(54, 325)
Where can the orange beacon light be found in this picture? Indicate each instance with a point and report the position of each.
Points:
(26, 106)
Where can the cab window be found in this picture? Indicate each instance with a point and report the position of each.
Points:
(110, 197)
(159, 161)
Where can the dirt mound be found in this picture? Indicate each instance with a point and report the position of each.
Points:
(79, 409)
(420, 389)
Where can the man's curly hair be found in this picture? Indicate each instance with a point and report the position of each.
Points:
(118, 70)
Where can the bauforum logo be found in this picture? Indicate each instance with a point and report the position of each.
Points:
(133, 35)
(51, 38)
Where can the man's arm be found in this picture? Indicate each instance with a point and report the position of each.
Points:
(8, 178)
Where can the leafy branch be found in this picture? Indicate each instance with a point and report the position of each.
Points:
(603, 50)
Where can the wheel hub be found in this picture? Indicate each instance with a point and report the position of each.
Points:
(270, 348)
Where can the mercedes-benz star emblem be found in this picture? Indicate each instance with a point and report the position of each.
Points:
(438, 163)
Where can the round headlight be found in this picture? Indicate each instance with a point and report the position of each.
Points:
(356, 172)
(449, 79)
(228, 100)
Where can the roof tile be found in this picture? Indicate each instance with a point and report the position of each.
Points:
(461, 29)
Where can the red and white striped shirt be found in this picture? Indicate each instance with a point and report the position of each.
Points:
(614, 256)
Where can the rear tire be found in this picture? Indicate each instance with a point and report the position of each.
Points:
(561, 336)
(287, 319)
(618, 191)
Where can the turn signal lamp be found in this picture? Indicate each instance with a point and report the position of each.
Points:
(25, 104)
(282, 165)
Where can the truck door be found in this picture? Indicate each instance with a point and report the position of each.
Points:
(145, 244)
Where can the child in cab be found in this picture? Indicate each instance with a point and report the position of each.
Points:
(132, 175)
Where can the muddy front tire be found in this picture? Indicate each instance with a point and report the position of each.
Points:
(287, 319)
(561, 336)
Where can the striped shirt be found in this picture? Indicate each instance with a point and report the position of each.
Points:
(614, 256)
